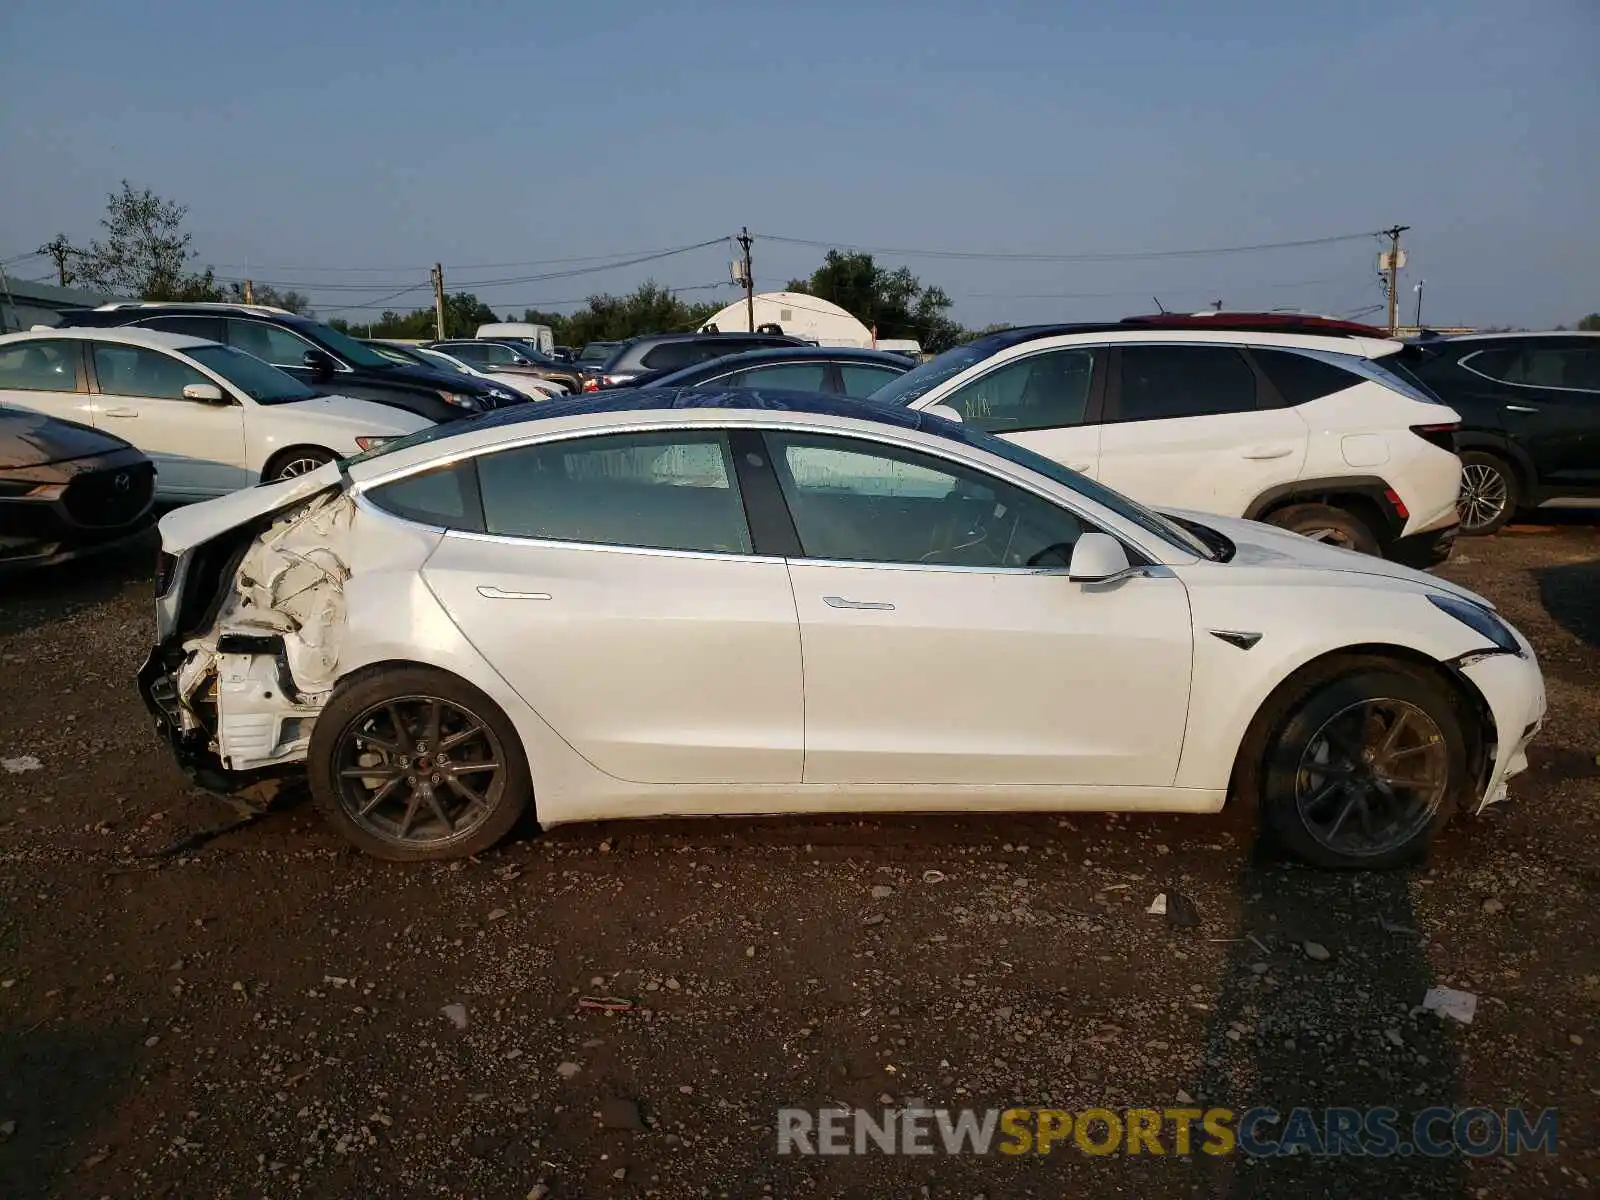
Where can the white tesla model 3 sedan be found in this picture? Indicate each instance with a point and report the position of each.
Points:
(671, 602)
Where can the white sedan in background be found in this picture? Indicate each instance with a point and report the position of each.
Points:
(213, 419)
(529, 385)
(691, 602)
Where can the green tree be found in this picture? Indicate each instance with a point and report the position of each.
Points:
(145, 253)
(895, 303)
(650, 308)
(1591, 323)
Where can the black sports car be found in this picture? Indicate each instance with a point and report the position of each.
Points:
(66, 489)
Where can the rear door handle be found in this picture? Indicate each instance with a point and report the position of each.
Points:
(1269, 452)
(870, 605)
(1520, 408)
(119, 412)
(494, 593)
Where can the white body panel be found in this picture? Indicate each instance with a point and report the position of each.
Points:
(1214, 464)
(198, 449)
(656, 667)
(994, 677)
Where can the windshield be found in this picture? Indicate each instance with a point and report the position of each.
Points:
(399, 354)
(1128, 510)
(262, 382)
(347, 348)
(920, 380)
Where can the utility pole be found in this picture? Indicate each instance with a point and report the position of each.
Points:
(60, 250)
(437, 275)
(1391, 264)
(745, 241)
(249, 291)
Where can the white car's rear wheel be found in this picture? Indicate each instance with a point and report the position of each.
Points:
(412, 764)
(1360, 770)
(1325, 523)
(299, 461)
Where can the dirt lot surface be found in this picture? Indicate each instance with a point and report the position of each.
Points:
(265, 1013)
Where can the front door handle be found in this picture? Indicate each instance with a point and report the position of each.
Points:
(494, 593)
(1263, 452)
(869, 605)
(119, 412)
(1520, 408)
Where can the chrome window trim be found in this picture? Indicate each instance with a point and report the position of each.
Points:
(1125, 531)
(1465, 364)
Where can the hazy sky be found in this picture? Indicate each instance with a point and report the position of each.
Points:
(312, 139)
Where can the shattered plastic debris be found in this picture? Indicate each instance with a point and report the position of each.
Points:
(1448, 1002)
(456, 1014)
(25, 762)
(1158, 906)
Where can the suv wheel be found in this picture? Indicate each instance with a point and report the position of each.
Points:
(1488, 493)
(1325, 523)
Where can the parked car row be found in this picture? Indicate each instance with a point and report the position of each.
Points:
(1328, 429)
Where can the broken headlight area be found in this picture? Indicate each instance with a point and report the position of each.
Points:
(238, 697)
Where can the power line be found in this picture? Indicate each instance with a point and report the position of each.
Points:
(493, 266)
(1035, 256)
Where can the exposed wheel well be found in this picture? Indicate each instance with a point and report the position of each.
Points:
(289, 452)
(1359, 505)
(1477, 717)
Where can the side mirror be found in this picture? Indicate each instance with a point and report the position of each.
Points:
(319, 363)
(518, 361)
(1097, 558)
(206, 393)
(945, 411)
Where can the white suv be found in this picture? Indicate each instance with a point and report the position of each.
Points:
(1300, 422)
(213, 419)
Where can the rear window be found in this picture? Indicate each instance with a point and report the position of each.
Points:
(1300, 379)
(669, 356)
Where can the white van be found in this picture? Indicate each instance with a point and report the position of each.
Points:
(540, 335)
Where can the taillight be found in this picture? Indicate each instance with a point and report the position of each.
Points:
(591, 384)
(1442, 435)
(1399, 505)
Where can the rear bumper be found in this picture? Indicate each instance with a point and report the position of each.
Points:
(191, 747)
(1424, 550)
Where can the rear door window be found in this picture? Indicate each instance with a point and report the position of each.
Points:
(209, 328)
(800, 377)
(42, 365)
(664, 491)
(861, 380)
(1301, 379)
(1161, 383)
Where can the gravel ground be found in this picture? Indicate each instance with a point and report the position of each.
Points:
(266, 1013)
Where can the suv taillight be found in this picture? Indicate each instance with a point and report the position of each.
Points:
(1441, 435)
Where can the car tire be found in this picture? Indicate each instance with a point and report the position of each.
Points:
(1314, 778)
(398, 723)
(1325, 523)
(297, 460)
(1489, 493)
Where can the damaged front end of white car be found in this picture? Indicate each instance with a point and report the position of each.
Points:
(248, 629)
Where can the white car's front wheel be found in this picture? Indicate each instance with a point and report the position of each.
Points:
(1361, 766)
